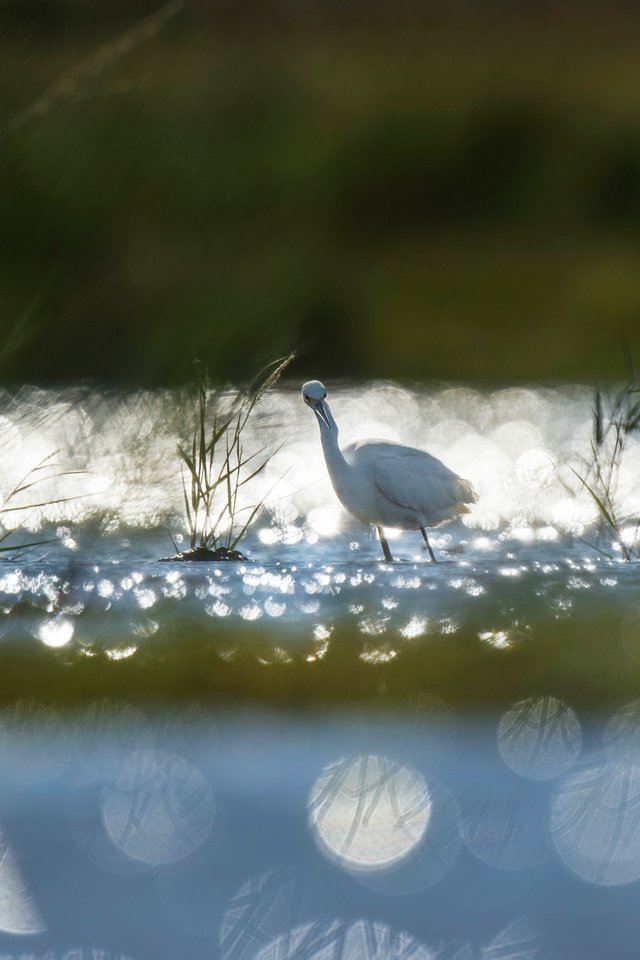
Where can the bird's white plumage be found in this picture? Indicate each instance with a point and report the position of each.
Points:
(418, 481)
(386, 483)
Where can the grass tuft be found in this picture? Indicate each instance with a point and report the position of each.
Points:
(615, 424)
(214, 466)
(47, 469)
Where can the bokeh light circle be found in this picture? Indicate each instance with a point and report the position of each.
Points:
(159, 809)
(369, 812)
(595, 823)
(539, 738)
(432, 858)
(621, 735)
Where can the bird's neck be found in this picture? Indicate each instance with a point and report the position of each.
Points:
(336, 463)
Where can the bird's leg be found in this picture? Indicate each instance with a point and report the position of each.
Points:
(384, 544)
(426, 540)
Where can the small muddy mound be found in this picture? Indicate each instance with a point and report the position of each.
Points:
(203, 555)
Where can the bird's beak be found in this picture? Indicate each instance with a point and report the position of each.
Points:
(321, 413)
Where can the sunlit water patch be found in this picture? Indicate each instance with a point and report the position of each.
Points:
(120, 609)
(109, 480)
(95, 482)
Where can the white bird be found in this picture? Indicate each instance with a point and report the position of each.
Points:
(385, 483)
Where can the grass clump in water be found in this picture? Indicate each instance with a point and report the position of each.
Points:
(215, 467)
(615, 425)
(44, 471)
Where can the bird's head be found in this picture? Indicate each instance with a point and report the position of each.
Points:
(313, 394)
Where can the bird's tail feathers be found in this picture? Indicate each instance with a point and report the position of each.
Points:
(467, 493)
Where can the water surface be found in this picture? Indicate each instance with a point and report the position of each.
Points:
(315, 754)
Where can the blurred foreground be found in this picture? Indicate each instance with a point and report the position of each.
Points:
(452, 795)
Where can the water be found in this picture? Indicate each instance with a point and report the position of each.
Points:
(315, 754)
(516, 445)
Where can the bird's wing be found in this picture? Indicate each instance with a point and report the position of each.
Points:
(416, 480)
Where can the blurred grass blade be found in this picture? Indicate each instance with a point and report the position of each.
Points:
(598, 432)
(89, 69)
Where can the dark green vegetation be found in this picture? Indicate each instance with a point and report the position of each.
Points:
(590, 660)
(398, 189)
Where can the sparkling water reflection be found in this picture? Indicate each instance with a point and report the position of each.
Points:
(394, 609)
(126, 484)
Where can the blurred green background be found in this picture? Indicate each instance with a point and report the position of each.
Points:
(395, 188)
